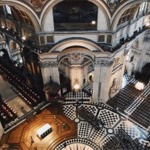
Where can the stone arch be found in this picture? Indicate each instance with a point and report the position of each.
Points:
(31, 14)
(76, 42)
(85, 53)
(48, 8)
(12, 45)
(74, 64)
(118, 13)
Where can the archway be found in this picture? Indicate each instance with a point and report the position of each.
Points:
(76, 71)
(47, 15)
(15, 53)
(75, 15)
(135, 58)
(125, 8)
(25, 9)
(64, 50)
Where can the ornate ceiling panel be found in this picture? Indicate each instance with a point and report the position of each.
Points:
(38, 4)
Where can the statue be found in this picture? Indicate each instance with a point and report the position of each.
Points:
(114, 88)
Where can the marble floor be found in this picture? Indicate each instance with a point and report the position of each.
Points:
(24, 137)
(112, 121)
(78, 133)
(70, 130)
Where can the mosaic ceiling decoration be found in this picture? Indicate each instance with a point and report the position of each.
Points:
(38, 4)
(113, 3)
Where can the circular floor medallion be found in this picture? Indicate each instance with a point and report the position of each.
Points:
(77, 144)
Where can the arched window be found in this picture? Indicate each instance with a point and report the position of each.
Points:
(128, 15)
(75, 15)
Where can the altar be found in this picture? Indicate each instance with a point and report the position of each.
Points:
(44, 130)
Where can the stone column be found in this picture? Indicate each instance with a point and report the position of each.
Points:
(96, 83)
(45, 70)
(102, 74)
(85, 76)
(144, 55)
(105, 77)
(54, 73)
(50, 69)
(122, 70)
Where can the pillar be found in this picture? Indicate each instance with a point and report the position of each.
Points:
(45, 70)
(102, 74)
(50, 69)
(122, 70)
(144, 55)
(85, 72)
(96, 83)
(105, 77)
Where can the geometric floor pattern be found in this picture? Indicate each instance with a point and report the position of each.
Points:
(108, 117)
(70, 111)
(112, 123)
(77, 144)
(21, 137)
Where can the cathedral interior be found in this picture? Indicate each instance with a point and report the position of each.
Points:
(75, 75)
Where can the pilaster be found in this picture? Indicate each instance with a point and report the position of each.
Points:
(101, 77)
(50, 69)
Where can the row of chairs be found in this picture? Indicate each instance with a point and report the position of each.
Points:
(142, 113)
(7, 113)
(76, 95)
(124, 98)
(122, 141)
(20, 87)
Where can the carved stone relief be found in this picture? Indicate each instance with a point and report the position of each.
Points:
(116, 62)
(113, 88)
(49, 64)
(104, 63)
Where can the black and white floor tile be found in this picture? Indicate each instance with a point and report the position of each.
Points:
(108, 117)
(70, 111)
(112, 123)
(77, 144)
(84, 129)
